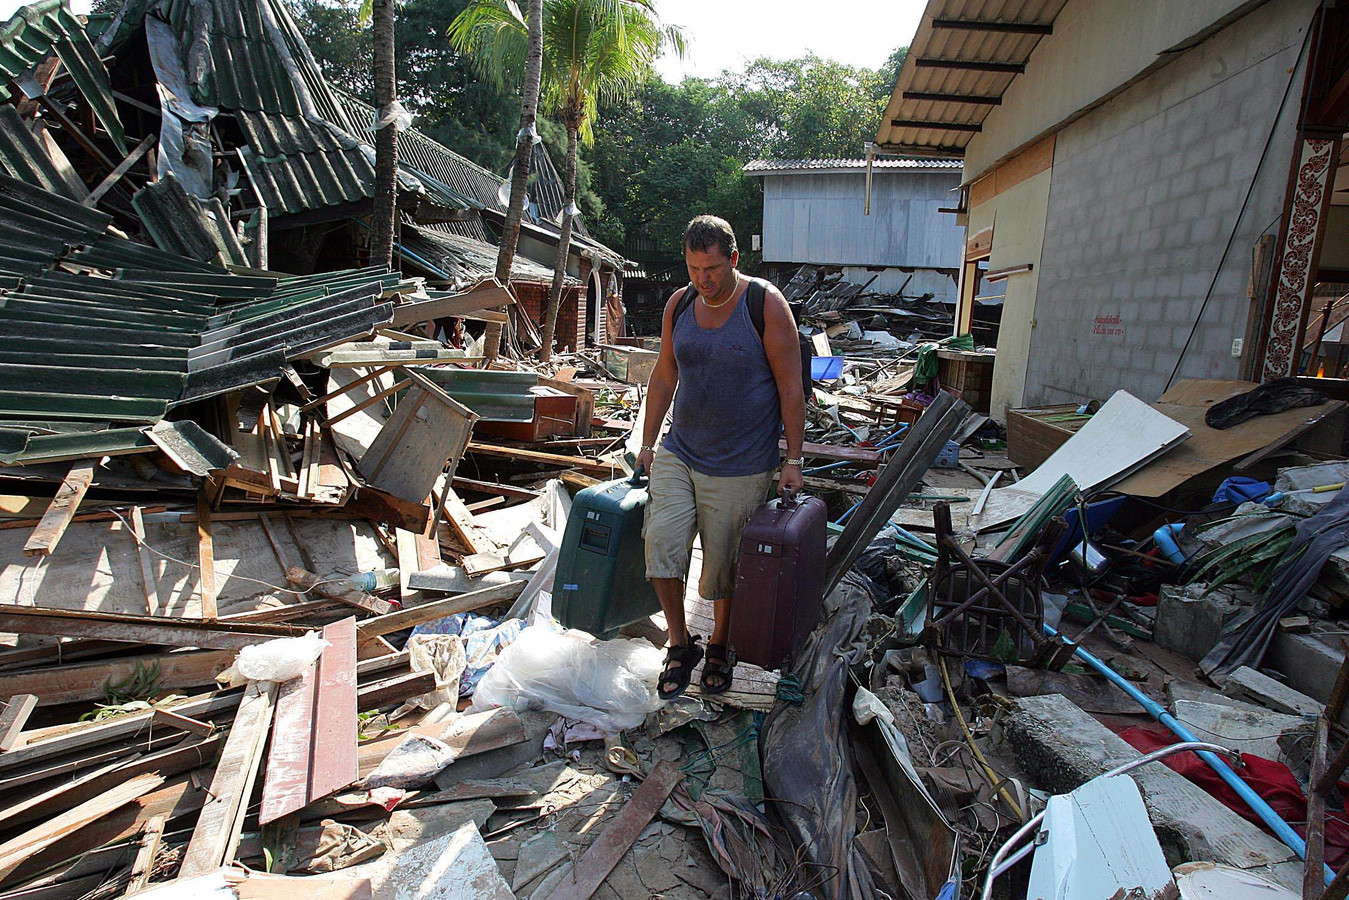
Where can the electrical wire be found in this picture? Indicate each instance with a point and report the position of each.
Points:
(999, 784)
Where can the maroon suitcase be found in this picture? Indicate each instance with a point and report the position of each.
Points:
(779, 582)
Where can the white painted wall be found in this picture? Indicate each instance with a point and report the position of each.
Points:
(1017, 217)
(1098, 46)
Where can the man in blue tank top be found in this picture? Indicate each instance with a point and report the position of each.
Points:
(739, 390)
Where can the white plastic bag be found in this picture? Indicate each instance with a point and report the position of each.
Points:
(412, 763)
(443, 655)
(280, 659)
(610, 684)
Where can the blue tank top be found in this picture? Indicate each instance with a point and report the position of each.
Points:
(727, 416)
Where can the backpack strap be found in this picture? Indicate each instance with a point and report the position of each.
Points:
(755, 295)
(690, 294)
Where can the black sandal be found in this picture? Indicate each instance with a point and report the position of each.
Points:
(680, 660)
(720, 664)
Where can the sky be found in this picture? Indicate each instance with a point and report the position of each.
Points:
(725, 34)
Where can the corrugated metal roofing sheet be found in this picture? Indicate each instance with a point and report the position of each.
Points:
(463, 261)
(779, 166)
(182, 224)
(24, 157)
(117, 352)
(960, 62)
(48, 26)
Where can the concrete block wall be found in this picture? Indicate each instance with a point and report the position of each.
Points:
(1145, 192)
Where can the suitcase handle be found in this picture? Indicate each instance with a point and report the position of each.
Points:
(639, 477)
(789, 497)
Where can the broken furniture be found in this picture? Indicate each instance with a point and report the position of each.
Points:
(988, 608)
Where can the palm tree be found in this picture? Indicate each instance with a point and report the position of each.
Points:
(471, 35)
(380, 14)
(593, 51)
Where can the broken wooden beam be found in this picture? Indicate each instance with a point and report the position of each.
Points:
(116, 174)
(439, 609)
(148, 580)
(581, 463)
(143, 867)
(74, 682)
(216, 836)
(177, 632)
(620, 834)
(12, 719)
(206, 556)
(183, 723)
(14, 851)
(61, 511)
(395, 690)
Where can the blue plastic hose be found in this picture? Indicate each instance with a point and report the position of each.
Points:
(1281, 829)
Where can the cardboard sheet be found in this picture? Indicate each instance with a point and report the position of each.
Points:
(1124, 435)
(1209, 448)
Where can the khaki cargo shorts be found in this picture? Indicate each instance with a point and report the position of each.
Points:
(684, 503)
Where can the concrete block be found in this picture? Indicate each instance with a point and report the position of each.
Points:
(1309, 664)
(1260, 732)
(1177, 690)
(1248, 684)
(1061, 747)
(1191, 624)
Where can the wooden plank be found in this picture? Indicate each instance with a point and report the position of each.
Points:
(483, 563)
(439, 609)
(611, 846)
(489, 295)
(426, 433)
(380, 506)
(96, 734)
(358, 599)
(395, 690)
(75, 682)
(177, 632)
(408, 563)
(461, 522)
(585, 402)
(116, 174)
(206, 556)
(12, 719)
(147, 564)
(369, 401)
(175, 759)
(216, 836)
(313, 752)
(581, 463)
(141, 870)
(183, 723)
(14, 851)
(48, 532)
(861, 455)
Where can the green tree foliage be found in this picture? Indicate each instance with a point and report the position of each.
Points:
(660, 157)
(452, 103)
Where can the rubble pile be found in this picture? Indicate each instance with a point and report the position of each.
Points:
(276, 592)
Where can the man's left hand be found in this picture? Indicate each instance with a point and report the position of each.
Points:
(791, 479)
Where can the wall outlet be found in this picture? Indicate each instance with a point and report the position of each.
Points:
(1237, 345)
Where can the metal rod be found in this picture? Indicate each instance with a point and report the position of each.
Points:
(1282, 830)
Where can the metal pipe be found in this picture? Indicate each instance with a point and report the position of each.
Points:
(998, 865)
(1282, 830)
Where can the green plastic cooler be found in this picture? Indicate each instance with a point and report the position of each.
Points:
(600, 584)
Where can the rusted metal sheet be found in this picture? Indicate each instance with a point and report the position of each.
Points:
(313, 752)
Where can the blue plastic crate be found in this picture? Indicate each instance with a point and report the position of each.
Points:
(825, 368)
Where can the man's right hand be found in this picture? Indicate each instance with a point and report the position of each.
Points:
(644, 460)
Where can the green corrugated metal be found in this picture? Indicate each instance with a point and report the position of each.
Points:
(48, 26)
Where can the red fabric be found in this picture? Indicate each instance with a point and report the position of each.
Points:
(1272, 780)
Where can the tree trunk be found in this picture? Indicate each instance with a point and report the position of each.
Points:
(382, 219)
(524, 146)
(563, 243)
